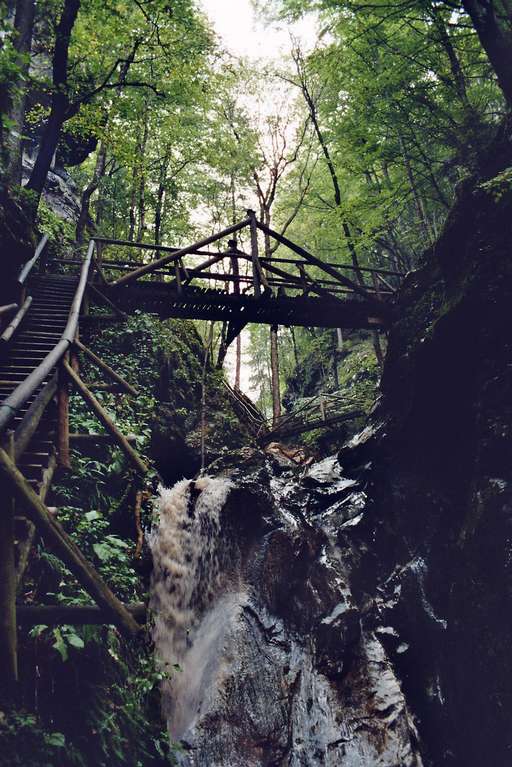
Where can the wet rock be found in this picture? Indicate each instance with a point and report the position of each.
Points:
(278, 670)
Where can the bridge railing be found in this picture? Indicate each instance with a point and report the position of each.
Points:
(238, 272)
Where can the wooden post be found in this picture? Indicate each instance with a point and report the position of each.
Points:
(106, 300)
(254, 254)
(177, 274)
(63, 419)
(105, 419)
(65, 548)
(8, 634)
(106, 368)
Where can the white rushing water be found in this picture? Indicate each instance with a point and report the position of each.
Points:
(188, 625)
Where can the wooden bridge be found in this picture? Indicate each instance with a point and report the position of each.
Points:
(39, 361)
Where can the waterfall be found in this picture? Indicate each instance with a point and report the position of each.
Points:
(187, 575)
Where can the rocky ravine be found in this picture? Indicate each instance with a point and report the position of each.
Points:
(370, 623)
(280, 664)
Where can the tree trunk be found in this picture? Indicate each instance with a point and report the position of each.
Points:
(23, 26)
(496, 41)
(142, 180)
(420, 208)
(274, 367)
(84, 219)
(60, 108)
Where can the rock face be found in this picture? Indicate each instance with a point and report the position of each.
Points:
(364, 613)
(278, 664)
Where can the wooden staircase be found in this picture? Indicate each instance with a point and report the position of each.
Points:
(42, 328)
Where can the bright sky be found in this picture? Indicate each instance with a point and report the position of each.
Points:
(244, 34)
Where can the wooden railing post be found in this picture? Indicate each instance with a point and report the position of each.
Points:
(254, 254)
(8, 633)
(63, 418)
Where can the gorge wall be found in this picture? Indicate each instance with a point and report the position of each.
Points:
(362, 616)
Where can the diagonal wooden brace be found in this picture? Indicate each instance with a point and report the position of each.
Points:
(105, 419)
(65, 548)
(106, 368)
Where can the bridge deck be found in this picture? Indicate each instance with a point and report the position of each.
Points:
(194, 302)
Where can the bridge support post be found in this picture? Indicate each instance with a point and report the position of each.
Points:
(254, 254)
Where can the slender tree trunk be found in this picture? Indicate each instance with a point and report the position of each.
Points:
(274, 368)
(23, 27)
(85, 217)
(415, 193)
(274, 344)
(313, 113)
(142, 180)
(133, 198)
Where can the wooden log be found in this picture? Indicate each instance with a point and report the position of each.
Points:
(120, 381)
(74, 615)
(108, 387)
(256, 269)
(27, 268)
(63, 418)
(107, 422)
(316, 262)
(12, 327)
(65, 548)
(8, 630)
(32, 418)
(25, 546)
(7, 308)
(171, 258)
(78, 440)
(106, 300)
(138, 524)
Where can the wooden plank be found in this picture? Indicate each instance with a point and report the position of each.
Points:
(74, 615)
(178, 254)
(105, 419)
(106, 368)
(65, 548)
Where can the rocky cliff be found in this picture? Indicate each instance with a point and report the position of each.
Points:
(358, 612)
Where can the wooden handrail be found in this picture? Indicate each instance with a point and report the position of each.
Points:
(179, 254)
(12, 327)
(27, 268)
(26, 388)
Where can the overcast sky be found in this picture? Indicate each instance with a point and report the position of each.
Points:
(244, 34)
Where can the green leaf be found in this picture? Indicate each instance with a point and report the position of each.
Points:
(56, 739)
(92, 515)
(75, 641)
(60, 645)
(102, 551)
